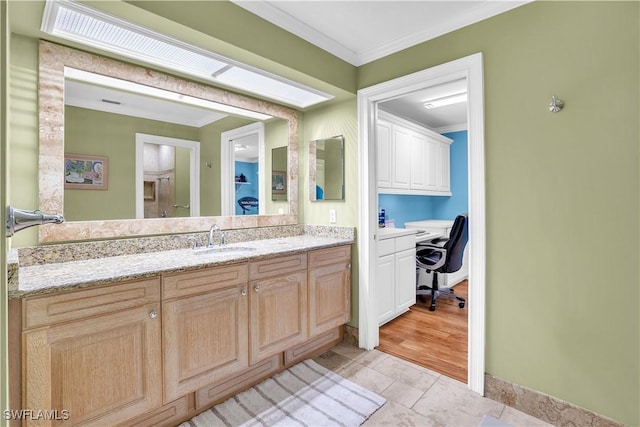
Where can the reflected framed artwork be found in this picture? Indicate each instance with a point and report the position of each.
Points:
(83, 172)
(279, 182)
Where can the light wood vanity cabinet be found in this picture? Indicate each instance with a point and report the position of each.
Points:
(329, 288)
(278, 313)
(204, 327)
(95, 353)
(158, 351)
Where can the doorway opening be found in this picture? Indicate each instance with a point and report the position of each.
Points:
(469, 69)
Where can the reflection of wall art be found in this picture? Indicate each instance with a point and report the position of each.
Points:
(85, 172)
(279, 182)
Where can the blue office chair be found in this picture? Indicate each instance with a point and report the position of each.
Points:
(443, 255)
(247, 203)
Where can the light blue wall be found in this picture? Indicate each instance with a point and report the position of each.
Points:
(250, 170)
(404, 208)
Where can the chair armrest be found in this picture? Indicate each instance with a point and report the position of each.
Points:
(438, 242)
(438, 264)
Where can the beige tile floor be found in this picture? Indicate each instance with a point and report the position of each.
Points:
(416, 396)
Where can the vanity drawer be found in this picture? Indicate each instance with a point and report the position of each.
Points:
(74, 305)
(404, 243)
(209, 279)
(277, 266)
(386, 247)
(329, 256)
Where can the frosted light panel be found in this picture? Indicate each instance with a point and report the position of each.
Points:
(82, 24)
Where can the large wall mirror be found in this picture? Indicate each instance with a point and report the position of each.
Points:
(326, 169)
(166, 145)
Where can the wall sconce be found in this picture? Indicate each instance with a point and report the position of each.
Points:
(556, 104)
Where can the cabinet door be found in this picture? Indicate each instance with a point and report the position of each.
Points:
(329, 297)
(204, 339)
(419, 162)
(433, 169)
(444, 178)
(405, 276)
(401, 158)
(278, 316)
(102, 370)
(383, 153)
(385, 283)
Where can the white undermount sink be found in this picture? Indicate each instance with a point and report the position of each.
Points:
(222, 249)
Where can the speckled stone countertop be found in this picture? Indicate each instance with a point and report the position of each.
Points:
(43, 278)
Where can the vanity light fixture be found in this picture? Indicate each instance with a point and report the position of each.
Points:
(456, 98)
(82, 24)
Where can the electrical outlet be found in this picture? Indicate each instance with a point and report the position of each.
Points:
(332, 216)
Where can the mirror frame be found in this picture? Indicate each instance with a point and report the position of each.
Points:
(53, 59)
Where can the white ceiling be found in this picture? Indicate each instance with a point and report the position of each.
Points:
(361, 31)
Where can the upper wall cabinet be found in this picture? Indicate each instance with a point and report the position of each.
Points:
(411, 159)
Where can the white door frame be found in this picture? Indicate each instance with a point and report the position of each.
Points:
(227, 167)
(469, 67)
(194, 169)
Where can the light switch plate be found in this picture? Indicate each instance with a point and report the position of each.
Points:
(332, 216)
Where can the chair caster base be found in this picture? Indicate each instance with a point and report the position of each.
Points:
(432, 307)
(461, 305)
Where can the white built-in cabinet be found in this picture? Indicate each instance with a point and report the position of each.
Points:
(395, 275)
(411, 159)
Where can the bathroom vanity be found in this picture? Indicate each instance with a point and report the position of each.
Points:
(155, 338)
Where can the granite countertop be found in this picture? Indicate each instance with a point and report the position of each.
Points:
(55, 277)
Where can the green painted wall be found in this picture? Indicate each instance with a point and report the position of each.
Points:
(325, 122)
(22, 150)
(562, 195)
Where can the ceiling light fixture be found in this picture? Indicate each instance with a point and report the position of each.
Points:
(79, 23)
(240, 147)
(445, 100)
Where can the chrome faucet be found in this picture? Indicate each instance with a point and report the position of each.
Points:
(212, 231)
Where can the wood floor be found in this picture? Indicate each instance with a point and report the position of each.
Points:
(434, 339)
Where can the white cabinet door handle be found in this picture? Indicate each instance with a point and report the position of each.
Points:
(243, 292)
(257, 288)
(153, 314)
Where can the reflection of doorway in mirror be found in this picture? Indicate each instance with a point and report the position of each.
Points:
(172, 165)
(168, 167)
(242, 168)
(246, 173)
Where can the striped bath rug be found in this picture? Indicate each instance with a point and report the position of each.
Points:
(306, 394)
